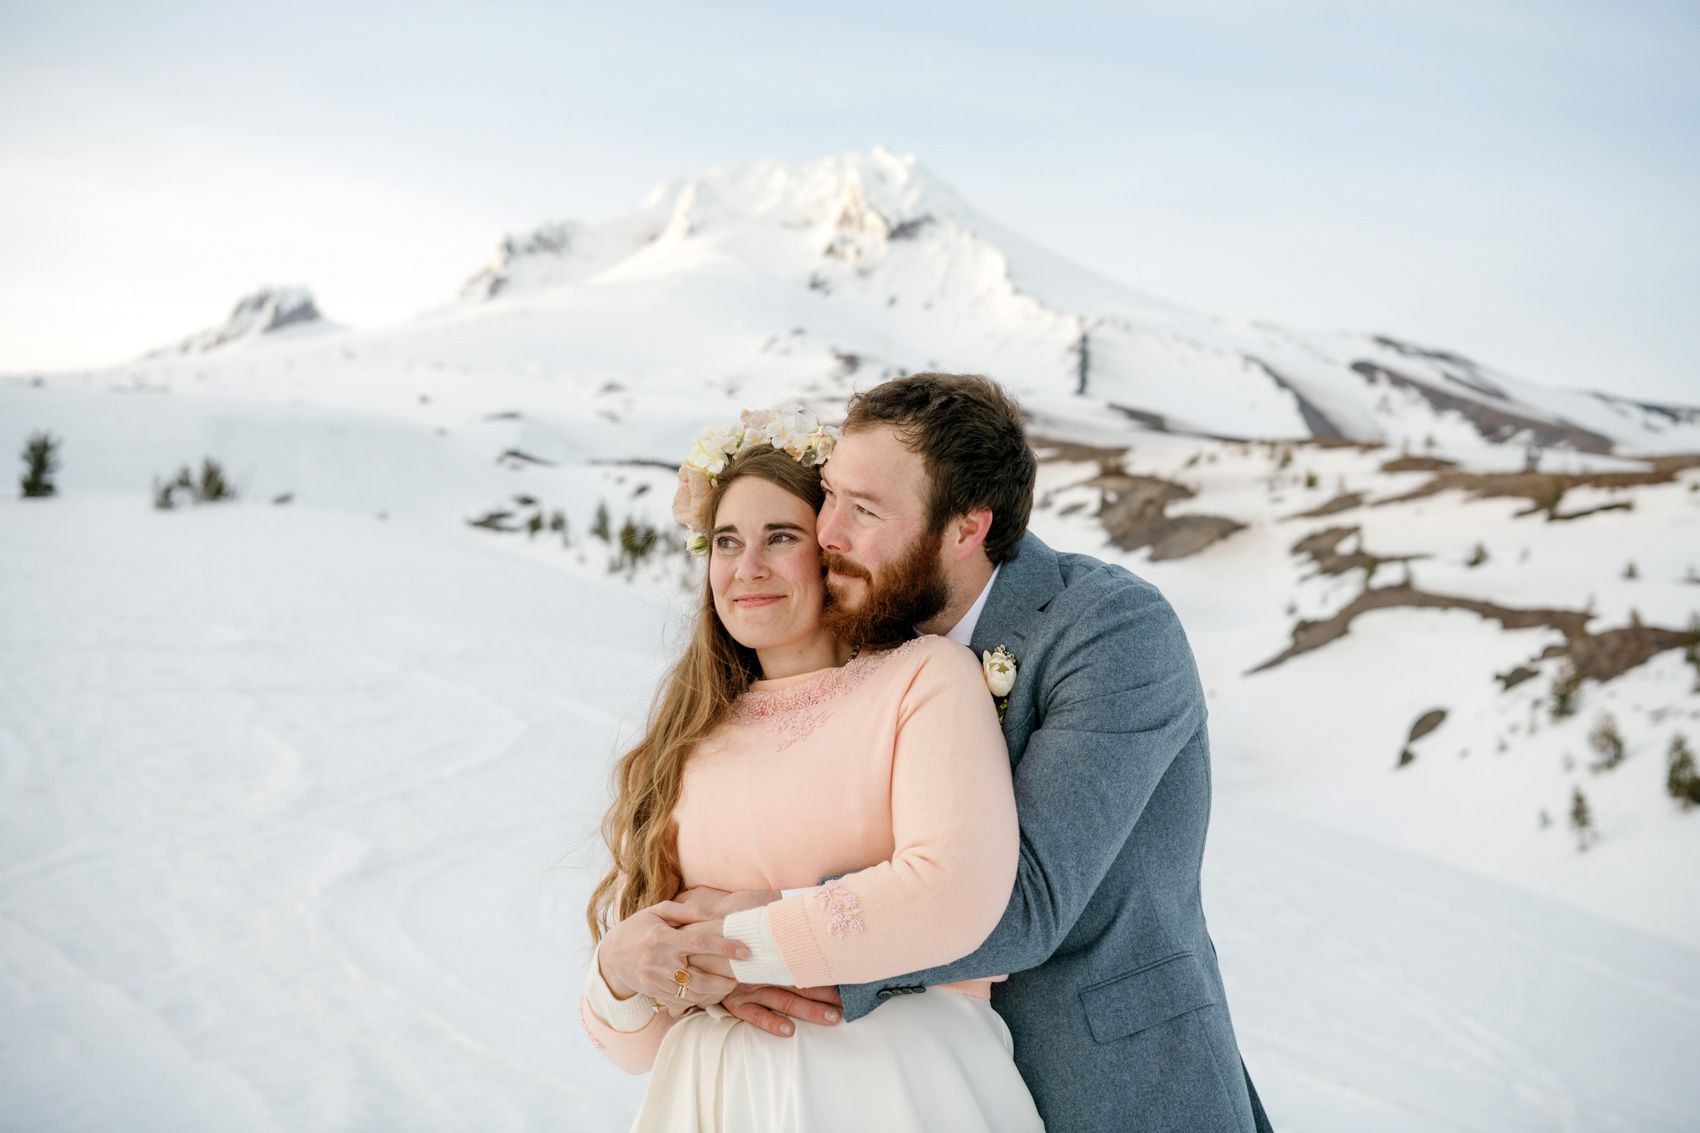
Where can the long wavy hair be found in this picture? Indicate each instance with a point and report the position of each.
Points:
(693, 700)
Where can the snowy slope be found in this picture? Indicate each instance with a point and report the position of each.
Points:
(298, 809)
(299, 791)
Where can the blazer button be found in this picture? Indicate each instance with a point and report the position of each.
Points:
(884, 993)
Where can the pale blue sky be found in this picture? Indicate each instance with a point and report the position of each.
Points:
(1512, 180)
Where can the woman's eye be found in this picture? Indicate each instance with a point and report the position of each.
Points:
(726, 543)
(784, 536)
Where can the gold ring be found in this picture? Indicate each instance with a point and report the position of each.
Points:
(681, 977)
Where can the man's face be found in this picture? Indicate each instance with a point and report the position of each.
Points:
(885, 570)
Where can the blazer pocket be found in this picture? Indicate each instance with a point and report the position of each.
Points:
(1127, 1004)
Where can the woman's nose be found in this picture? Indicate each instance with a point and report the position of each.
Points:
(752, 564)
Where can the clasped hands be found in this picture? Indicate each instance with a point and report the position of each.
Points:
(639, 955)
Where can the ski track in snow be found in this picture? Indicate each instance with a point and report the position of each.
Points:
(301, 837)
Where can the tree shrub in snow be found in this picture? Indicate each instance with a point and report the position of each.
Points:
(213, 486)
(41, 461)
(1564, 687)
(1607, 743)
(1682, 780)
(210, 488)
(1582, 819)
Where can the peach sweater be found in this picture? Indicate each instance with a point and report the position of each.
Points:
(892, 771)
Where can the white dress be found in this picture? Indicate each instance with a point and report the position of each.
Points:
(918, 1064)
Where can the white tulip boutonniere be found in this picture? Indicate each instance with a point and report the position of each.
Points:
(999, 667)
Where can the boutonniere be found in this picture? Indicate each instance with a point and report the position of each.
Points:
(999, 667)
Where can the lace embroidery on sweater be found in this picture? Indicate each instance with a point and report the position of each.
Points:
(793, 713)
(843, 906)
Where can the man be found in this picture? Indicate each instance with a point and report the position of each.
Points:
(1114, 999)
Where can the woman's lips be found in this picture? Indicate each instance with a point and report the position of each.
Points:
(754, 600)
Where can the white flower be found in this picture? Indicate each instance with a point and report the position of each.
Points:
(714, 447)
(999, 666)
(793, 431)
(820, 445)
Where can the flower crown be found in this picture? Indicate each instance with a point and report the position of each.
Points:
(796, 432)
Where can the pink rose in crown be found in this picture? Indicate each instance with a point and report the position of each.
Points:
(693, 492)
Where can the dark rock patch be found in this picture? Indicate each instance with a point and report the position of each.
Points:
(1496, 425)
(1418, 464)
(1133, 513)
(1345, 502)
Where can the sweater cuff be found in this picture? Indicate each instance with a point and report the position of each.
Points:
(788, 921)
(625, 1015)
(765, 965)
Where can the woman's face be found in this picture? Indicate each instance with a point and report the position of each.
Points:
(764, 565)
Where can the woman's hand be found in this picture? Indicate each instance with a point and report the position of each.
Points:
(640, 954)
(718, 965)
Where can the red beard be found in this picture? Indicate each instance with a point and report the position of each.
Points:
(909, 590)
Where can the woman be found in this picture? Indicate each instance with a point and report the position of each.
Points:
(767, 723)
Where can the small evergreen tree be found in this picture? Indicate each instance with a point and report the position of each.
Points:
(1682, 781)
(1477, 557)
(41, 461)
(534, 524)
(213, 486)
(636, 541)
(1629, 571)
(600, 527)
(162, 490)
(1582, 819)
(1607, 743)
(1564, 686)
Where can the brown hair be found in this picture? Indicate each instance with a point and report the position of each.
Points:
(693, 699)
(968, 431)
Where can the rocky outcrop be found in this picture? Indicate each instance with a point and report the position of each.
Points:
(262, 312)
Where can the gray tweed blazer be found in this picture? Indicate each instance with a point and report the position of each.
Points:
(1114, 998)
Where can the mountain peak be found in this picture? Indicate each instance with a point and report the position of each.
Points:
(264, 311)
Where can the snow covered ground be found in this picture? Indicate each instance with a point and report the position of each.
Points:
(298, 799)
(298, 830)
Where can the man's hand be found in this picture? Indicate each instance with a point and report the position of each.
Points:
(640, 954)
(767, 1007)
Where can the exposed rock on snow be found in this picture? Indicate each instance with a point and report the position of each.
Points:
(263, 312)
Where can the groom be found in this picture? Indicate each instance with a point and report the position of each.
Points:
(1115, 1003)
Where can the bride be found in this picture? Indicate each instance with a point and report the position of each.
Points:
(768, 715)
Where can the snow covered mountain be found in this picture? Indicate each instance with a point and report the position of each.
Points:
(266, 311)
(1433, 606)
(906, 273)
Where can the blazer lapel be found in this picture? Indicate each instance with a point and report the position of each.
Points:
(1025, 586)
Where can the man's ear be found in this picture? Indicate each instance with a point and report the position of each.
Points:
(967, 533)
